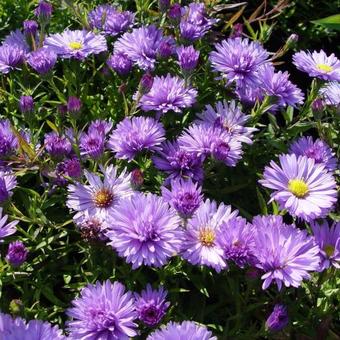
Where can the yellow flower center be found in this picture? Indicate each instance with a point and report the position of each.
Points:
(324, 67)
(103, 198)
(207, 236)
(329, 250)
(75, 45)
(298, 187)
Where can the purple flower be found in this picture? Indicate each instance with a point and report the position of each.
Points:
(145, 230)
(92, 228)
(17, 39)
(11, 57)
(318, 64)
(185, 196)
(8, 140)
(137, 178)
(42, 60)
(120, 63)
(166, 47)
(133, 135)
(57, 146)
(228, 117)
(6, 229)
(7, 183)
(76, 44)
(278, 86)
(168, 93)
(146, 82)
(72, 168)
(175, 12)
(194, 22)
(317, 150)
(92, 144)
(284, 253)
(17, 254)
(200, 246)
(302, 187)
(103, 311)
(187, 58)
(318, 105)
(237, 31)
(97, 17)
(331, 94)
(99, 197)
(248, 95)
(278, 319)
(30, 27)
(26, 104)
(236, 238)
(43, 10)
(178, 331)
(151, 305)
(140, 46)
(100, 126)
(178, 163)
(328, 239)
(74, 104)
(239, 60)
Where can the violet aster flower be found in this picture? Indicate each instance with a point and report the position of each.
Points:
(178, 163)
(328, 239)
(7, 183)
(57, 146)
(278, 86)
(302, 187)
(6, 229)
(17, 38)
(187, 58)
(185, 196)
(318, 65)
(100, 126)
(144, 229)
(249, 95)
(72, 168)
(97, 16)
(140, 46)
(175, 12)
(11, 57)
(30, 27)
(278, 319)
(167, 47)
(8, 140)
(103, 311)
(236, 238)
(17, 253)
(92, 144)
(26, 104)
(200, 245)
(228, 117)
(194, 22)
(317, 150)
(239, 60)
(99, 197)
(74, 104)
(331, 94)
(151, 305)
(44, 10)
(285, 253)
(92, 228)
(76, 44)
(42, 60)
(120, 63)
(168, 93)
(133, 135)
(178, 331)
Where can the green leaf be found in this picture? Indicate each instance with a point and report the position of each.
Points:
(262, 202)
(332, 22)
(52, 126)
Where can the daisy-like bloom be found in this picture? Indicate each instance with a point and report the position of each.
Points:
(103, 311)
(178, 163)
(228, 117)
(166, 94)
(302, 187)
(185, 196)
(206, 140)
(99, 197)
(200, 246)
(18, 39)
(278, 319)
(178, 331)
(11, 57)
(239, 60)
(194, 22)
(236, 238)
(145, 230)
(100, 126)
(92, 144)
(187, 58)
(133, 135)
(140, 46)
(318, 65)
(8, 182)
(120, 63)
(42, 60)
(317, 150)
(328, 239)
(151, 305)
(278, 86)
(6, 229)
(285, 253)
(331, 94)
(76, 44)
(57, 146)
(8, 140)
(17, 253)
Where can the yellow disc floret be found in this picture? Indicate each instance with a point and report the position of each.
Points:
(324, 68)
(75, 45)
(103, 198)
(298, 187)
(329, 250)
(207, 236)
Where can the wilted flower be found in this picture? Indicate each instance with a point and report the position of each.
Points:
(6, 229)
(175, 12)
(42, 60)
(56, 145)
(11, 57)
(120, 63)
(278, 319)
(8, 140)
(26, 104)
(17, 253)
(137, 178)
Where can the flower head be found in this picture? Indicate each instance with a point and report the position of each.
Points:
(6, 229)
(57, 146)
(331, 94)
(17, 253)
(145, 230)
(11, 57)
(91, 227)
(8, 140)
(318, 64)
(30, 27)
(120, 63)
(301, 186)
(92, 144)
(133, 135)
(7, 183)
(187, 58)
(103, 311)
(17, 39)
(100, 126)
(74, 104)
(278, 319)
(42, 60)
(44, 10)
(151, 305)
(26, 104)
